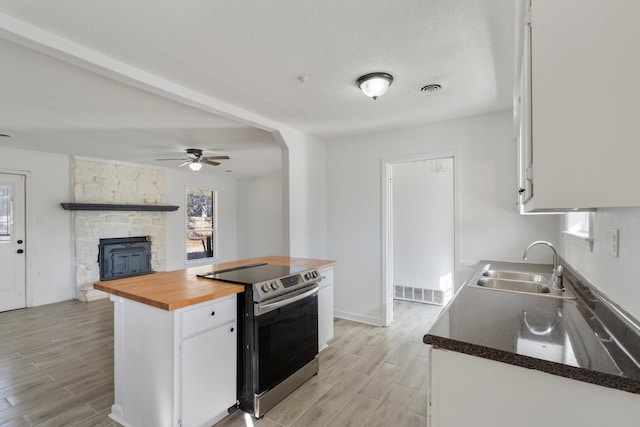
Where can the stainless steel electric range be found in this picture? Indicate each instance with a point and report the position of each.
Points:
(278, 331)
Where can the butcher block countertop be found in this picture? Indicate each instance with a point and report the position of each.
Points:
(170, 290)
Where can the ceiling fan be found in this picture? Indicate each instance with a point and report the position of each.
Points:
(195, 159)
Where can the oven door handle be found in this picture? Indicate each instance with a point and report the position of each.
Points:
(266, 308)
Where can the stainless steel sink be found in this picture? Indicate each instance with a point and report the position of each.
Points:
(514, 285)
(494, 277)
(516, 275)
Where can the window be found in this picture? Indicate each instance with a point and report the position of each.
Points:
(579, 227)
(5, 213)
(578, 223)
(201, 224)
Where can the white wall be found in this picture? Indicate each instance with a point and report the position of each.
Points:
(304, 193)
(423, 224)
(50, 244)
(178, 181)
(489, 225)
(49, 236)
(618, 278)
(260, 216)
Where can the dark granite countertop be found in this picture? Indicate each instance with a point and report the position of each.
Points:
(580, 338)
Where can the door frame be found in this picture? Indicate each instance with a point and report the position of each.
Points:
(27, 232)
(387, 164)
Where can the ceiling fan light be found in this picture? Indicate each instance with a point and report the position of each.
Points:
(195, 166)
(374, 84)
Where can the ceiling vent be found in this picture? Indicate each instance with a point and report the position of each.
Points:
(430, 88)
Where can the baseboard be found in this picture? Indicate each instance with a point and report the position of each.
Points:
(369, 320)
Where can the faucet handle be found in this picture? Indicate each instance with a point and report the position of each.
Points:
(556, 277)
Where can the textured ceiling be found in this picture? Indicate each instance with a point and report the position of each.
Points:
(251, 55)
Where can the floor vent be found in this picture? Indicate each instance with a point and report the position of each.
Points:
(427, 296)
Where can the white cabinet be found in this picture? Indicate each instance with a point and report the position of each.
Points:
(325, 308)
(208, 375)
(471, 391)
(576, 104)
(174, 368)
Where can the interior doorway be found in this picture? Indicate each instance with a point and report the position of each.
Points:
(419, 250)
(12, 242)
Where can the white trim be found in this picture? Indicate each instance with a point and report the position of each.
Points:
(580, 239)
(386, 235)
(28, 228)
(387, 249)
(369, 320)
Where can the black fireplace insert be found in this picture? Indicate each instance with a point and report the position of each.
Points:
(124, 257)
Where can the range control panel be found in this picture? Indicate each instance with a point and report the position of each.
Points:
(276, 287)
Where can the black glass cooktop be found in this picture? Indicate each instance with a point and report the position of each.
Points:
(255, 273)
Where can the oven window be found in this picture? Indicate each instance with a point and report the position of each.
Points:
(287, 340)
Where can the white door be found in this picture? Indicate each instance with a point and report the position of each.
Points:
(12, 242)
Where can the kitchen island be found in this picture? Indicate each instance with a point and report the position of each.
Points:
(516, 358)
(175, 344)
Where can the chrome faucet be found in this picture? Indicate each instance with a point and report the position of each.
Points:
(556, 274)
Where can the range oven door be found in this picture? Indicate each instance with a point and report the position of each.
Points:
(286, 337)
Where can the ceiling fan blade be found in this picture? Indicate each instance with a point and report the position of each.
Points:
(209, 162)
(216, 158)
(173, 159)
(185, 163)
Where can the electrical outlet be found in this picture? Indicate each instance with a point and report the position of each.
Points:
(615, 237)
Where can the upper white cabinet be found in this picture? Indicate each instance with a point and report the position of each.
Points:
(577, 104)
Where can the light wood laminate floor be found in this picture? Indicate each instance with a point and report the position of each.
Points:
(56, 369)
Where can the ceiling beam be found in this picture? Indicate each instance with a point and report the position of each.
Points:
(32, 37)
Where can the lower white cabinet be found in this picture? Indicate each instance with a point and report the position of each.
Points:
(174, 368)
(470, 391)
(325, 308)
(208, 363)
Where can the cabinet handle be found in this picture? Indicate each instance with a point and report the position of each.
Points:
(213, 313)
(231, 330)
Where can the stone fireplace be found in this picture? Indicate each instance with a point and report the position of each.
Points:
(97, 182)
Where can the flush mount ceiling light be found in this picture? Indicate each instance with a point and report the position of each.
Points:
(374, 84)
(195, 166)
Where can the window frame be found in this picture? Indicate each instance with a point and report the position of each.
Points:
(583, 237)
(214, 226)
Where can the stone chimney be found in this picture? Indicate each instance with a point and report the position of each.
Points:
(98, 182)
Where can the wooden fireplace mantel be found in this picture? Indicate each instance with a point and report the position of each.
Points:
(117, 207)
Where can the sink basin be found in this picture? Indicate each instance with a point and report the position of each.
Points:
(514, 285)
(508, 278)
(516, 275)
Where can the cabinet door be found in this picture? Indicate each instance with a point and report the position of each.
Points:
(584, 104)
(325, 315)
(208, 367)
(525, 149)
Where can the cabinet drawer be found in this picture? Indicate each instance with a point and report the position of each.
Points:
(211, 314)
(327, 277)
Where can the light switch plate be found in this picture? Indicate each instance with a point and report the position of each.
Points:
(615, 237)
